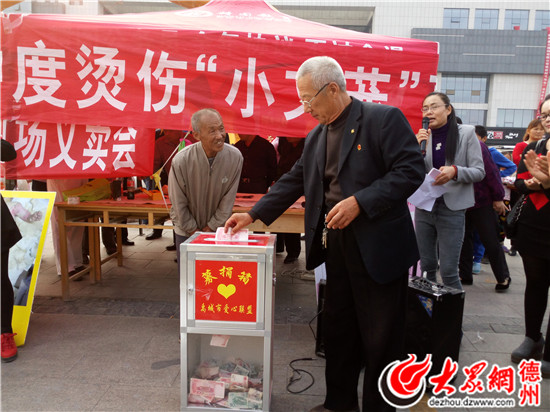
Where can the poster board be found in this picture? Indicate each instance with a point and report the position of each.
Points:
(31, 212)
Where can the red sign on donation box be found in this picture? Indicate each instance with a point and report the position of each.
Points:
(226, 290)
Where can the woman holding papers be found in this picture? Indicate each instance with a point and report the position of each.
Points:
(454, 151)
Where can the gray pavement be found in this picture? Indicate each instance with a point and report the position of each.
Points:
(115, 345)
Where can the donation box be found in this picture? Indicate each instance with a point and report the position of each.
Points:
(226, 301)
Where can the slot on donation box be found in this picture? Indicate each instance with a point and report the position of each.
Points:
(226, 301)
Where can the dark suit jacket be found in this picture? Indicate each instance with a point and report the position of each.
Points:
(381, 165)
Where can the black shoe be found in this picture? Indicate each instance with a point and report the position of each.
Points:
(467, 281)
(127, 242)
(529, 349)
(75, 271)
(512, 252)
(153, 236)
(111, 251)
(290, 259)
(171, 247)
(502, 287)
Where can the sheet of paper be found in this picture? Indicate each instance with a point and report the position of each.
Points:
(425, 196)
(240, 236)
(219, 340)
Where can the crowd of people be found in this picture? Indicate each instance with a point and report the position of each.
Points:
(357, 169)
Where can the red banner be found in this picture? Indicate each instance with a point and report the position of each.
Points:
(50, 151)
(226, 290)
(154, 70)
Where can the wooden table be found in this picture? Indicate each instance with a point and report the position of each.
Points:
(292, 221)
(115, 214)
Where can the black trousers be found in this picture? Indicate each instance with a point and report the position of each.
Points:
(364, 323)
(537, 273)
(108, 236)
(484, 220)
(7, 294)
(292, 243)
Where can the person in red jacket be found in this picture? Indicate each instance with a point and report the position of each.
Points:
(534, 133)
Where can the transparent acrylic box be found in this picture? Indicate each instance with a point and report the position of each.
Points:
(226, 305)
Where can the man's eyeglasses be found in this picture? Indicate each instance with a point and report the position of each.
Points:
(427, 109)
(308, 102)
(543, 116)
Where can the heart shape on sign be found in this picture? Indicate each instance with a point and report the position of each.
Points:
(226, 291)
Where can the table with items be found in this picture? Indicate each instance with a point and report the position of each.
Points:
(142, 212)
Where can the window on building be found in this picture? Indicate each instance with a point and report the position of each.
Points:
(455, 18)
(486, 19)
(41, 7)
(465, 89)
(514, 19)
(542, 19)
(514, 117)
(472, 116)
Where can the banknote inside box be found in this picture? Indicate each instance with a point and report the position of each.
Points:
(229, 376)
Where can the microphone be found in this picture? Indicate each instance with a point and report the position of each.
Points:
(425, 125)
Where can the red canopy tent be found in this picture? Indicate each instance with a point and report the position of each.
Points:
(64, 75)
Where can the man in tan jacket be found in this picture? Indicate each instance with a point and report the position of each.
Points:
(204, 178)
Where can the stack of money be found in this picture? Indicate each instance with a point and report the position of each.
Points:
(255, 379)
(226, 381)
(237, 400)
(243, 400)
(241, 370)
(192, 398)
(254, 399)
(234, 384)
(238, 383)
(243, 364)
(205, 391)
(228, 367)
(256, 383)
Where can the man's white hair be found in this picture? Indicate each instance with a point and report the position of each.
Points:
(323, 70)
(197, 117)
